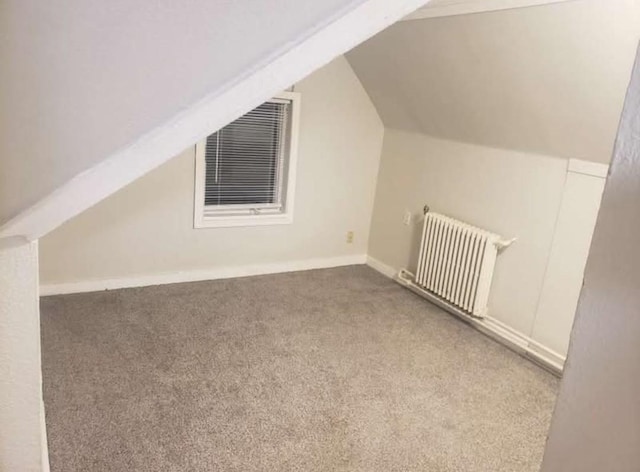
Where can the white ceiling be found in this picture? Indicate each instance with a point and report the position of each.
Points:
(106, 91)
(549, 79)
(84, 79)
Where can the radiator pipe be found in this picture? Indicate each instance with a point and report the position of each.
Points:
(500, 245)
(489, 326)
(504, 243)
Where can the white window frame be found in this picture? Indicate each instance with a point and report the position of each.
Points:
(216, 217)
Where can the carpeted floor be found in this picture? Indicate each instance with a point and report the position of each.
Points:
(327, 370)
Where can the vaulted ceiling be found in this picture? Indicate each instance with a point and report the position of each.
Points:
(95, 93)
(547, 79)
(82, 79)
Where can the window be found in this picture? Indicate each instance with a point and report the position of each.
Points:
(245, 172)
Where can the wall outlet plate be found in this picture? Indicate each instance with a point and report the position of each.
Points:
(406, 220)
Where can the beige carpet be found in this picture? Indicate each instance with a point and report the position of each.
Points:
(328, 370)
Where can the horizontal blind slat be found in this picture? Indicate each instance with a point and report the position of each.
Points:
(244, 159)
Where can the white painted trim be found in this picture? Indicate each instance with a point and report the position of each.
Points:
(497, 330)
(44, 445)
(381, 267)
(465, 7)
(489, 326)
(292, 63)
(201, 220)
(296, 99)
(242, 220)
(593, 169)
(146, 280)
(521, 342)
(199, 182)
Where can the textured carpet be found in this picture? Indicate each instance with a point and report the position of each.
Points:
(328, 370)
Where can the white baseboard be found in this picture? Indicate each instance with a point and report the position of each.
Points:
(199, 275)
(381, 267)
(549, 358)
(490, 327)
(506, 336)
(521, 343)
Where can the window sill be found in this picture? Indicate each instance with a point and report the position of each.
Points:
(242, 220)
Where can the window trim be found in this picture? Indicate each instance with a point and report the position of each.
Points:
(200, 217)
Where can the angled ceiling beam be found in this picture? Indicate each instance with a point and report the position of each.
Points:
(275, 73)
(464, 7)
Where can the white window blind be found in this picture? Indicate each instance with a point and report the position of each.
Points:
(246, 162)
(245, 173)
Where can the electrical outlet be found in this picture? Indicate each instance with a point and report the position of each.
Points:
(349, 237)
(406, 220)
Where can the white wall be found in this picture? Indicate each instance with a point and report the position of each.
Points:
(147, 228)
(548, 79)
(22, 438)
(107, 91)
(567, 259)
(511, 193)
(595, 425)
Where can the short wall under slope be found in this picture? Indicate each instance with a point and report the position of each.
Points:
(144, 235)
(533, 198)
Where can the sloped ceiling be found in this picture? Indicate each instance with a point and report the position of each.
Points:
(548, 79)
(82, 80)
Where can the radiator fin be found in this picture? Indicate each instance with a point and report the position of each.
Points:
(456, 262)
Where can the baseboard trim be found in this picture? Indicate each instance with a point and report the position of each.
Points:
(491, 327)
(199, 275)
(522, 344)
(381, 267)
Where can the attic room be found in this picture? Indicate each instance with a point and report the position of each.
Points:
(394, 246)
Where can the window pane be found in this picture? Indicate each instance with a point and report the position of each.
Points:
(243, 159)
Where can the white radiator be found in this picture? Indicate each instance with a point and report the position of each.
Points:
(456, 262)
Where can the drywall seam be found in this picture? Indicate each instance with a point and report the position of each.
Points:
(592, 170)
(214, 111)
(380, 147)
(200, 275)
(550, 247)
